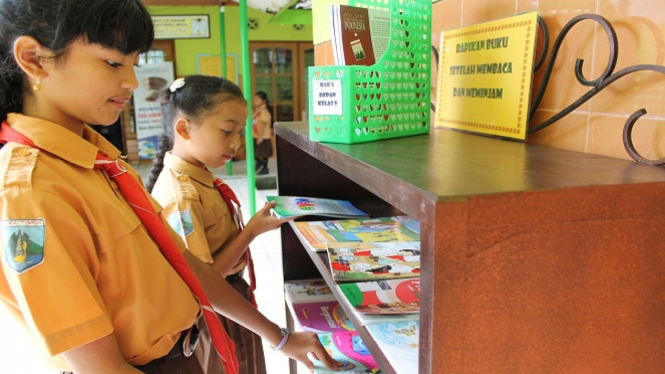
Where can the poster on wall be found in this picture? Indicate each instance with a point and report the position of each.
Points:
(148, 116)
(181, 27)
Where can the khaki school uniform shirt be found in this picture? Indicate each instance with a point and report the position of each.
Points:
(195, 209)
(77, 264)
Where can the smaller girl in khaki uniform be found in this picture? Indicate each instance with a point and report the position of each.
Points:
(203, 123)
(262, 131)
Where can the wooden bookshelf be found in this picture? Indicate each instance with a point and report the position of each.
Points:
(534, 260)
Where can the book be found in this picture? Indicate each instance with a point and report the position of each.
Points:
(394, 296)
(384, 229)
(321, 317)
(293, 206)
(348, 348)
(307, 290)
(359, 36)
(399, 343)
(353, 261)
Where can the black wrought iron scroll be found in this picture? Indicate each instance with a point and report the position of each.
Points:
(606, 79)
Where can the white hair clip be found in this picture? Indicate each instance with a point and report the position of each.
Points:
(178, 83)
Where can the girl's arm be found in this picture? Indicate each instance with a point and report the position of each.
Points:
(261, 222)
(99, 357)
(228, 302)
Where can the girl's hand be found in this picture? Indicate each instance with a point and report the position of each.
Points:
(302, 343)
(264, 220)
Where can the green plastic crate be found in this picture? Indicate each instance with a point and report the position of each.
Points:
(388, 99)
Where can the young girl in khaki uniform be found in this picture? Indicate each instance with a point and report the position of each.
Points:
(203, 124)
(80, 271)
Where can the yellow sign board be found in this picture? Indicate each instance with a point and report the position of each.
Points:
(181, 27)
(484, 79)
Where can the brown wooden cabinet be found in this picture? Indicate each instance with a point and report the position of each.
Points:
(535, 260)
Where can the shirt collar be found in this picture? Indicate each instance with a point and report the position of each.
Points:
(59, 141)
(199, 174)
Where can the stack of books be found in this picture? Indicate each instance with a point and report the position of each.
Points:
(375, 263)
(314, 308)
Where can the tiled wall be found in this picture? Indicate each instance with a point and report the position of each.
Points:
(596, 126)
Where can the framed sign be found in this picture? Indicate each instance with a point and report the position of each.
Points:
(485, 72)
(182, 27)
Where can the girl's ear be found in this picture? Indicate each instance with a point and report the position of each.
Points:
(181, 128)
(28, 53)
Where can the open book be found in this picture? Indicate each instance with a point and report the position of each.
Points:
(348, 348)
(353, 261)
(384, 229)
(290, 206)
(399, 343)
(394, 296)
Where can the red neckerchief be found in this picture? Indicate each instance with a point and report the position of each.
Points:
(234, 207)
(137, 198)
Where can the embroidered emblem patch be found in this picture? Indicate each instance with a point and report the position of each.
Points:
(181, 222)
(23, 241)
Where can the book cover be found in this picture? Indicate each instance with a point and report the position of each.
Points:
(353, 261)
(290, 206)
(384, 229)
(307, 291)
(348, 348)
(321, 317)
(360, 36)
(394, 296)
(399, 343)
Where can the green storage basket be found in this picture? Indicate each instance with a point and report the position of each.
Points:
(390, 98)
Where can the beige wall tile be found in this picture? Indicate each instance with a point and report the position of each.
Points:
(568, 133)
(606, 137)
(640, 34)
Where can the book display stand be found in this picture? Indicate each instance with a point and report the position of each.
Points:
(355, 104)
(534, 259)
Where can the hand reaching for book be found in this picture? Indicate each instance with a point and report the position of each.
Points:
(264, 220)
(300, 344)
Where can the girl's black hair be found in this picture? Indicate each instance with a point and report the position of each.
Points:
(124, 25)
(195, 99)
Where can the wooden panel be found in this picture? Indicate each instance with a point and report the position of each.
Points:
(534, 260)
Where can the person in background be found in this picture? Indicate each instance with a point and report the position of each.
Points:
(89, 266)
(262, 131)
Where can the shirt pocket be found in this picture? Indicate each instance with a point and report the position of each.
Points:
(216, 213)
(114, 224)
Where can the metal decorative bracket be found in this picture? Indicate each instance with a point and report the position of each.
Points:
(608, 77)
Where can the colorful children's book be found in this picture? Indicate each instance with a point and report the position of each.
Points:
(321, 317)
(348, 348)
(393, 296)
(399, 343)
(290, 206)
(384, 229)
(353, 261)
(307, 291)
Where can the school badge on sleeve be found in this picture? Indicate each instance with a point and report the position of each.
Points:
(23, 241)
(181, 222)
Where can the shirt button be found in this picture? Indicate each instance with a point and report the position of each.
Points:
(25, 152)
(183, 178)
